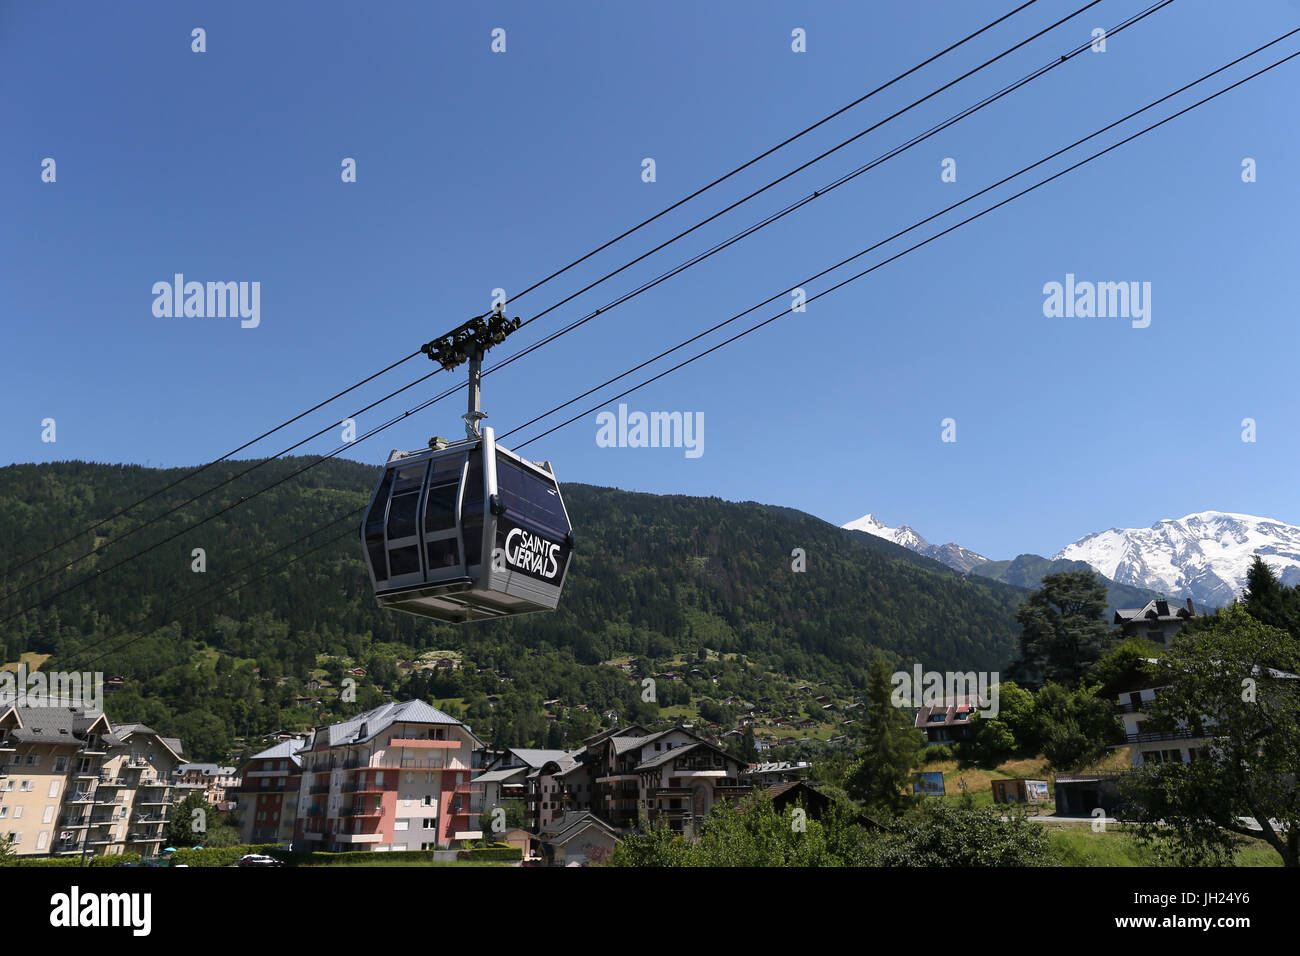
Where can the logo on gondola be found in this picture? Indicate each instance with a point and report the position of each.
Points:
(532, 553)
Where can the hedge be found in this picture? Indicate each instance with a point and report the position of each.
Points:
(117, 859)
(218, 855)
(497, 851)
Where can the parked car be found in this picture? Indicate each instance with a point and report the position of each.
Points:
(258, 859)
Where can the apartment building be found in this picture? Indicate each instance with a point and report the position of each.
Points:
(622, 774)
(212, 781)
(70, 783)
(397, 777)
(1181, 743)
(266, 799)
(673, 775)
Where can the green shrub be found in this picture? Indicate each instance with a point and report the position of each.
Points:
(220, 855)
(497, 851)
(118, 859)
(938, 752)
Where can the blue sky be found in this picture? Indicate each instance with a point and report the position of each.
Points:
(478, 170)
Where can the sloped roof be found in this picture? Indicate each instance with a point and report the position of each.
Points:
(1157, 609)
(285, 748)
(535, 758)
(573, 822)
(55, 725)
(623, 744)
(499, 776)
(376, 721)
(661, 758)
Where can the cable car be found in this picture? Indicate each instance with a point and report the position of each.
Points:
(468, 530)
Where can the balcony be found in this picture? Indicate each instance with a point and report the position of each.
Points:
(1156, 736)
(420, 763)
(314, 790)
(80, 796)
(73, 823)
(1130, 708)
(7, 743)
(362, 812)
(371, 787)
(278, 788)
(422, 742)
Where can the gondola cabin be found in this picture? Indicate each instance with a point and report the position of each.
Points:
(467, 531)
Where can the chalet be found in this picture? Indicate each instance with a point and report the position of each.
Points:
(1158, 621)
(785, 796)
(949, 722)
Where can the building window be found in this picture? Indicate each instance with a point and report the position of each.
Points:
(54, 788)
(33, 760)
(60, 764)
(430, 824)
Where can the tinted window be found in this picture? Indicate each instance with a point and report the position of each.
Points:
(440, 504)
(375, 528)
(530, 499)
(472, 509)
(404, 560)
(409, 479)
(401, 516)
(443, 554)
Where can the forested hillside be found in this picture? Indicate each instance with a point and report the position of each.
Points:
(654, 576)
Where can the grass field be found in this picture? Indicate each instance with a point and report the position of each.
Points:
(30, 658)
(1078, 845)
(392, 859)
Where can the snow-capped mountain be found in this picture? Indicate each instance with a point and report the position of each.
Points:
(953, 555)
(1203, 556)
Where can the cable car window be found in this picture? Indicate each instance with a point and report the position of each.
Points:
(440, 503)
(530, 498)
(404, 561)
(401, 515)
(472, 509)
(409, 479)
(375, 527)
(443, 554)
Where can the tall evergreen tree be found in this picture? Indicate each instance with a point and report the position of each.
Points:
(1063, 629)
(891, 751)
(1269, 601)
